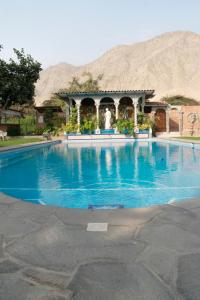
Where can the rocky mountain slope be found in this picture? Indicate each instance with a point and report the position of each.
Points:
(169, 63)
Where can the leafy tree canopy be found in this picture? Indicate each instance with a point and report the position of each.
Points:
(17, 79)
(55, 101)
(90, 84)
(180, 100)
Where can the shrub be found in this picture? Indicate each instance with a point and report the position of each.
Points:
(70, 127)
(144, 126)
(38, 131)
(28, 124)
(125, 126)
(141, 118)
(88, 125)
(181, 100)
(144, 122)
(52, 119)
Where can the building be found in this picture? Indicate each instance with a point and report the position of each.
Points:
(122, 104)
(12, 129)
(40, 113)
(174, 120)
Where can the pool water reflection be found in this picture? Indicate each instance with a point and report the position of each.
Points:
(134, 174)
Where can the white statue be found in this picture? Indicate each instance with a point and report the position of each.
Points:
(107, 119)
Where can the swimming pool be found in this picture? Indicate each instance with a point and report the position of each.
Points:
(127, 174)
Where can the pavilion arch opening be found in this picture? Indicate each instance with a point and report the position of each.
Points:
(72, 103)
(106, 102)
(126, 108)
(160, 120)
(88, 109)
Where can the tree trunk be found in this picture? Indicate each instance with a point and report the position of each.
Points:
(6, 103)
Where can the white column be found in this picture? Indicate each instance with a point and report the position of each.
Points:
(78, 105)
(116, 102)
(97, 104)
(167, 121)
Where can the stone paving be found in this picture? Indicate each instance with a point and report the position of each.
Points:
(46, 253)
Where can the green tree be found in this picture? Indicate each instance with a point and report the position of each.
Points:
(180, 100)
(89, 85)
(17, 79)
(56, 101)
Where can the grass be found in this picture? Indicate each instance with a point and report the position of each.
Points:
(190, 138)
(19, 141)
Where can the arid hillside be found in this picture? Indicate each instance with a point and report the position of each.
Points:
(169, 63)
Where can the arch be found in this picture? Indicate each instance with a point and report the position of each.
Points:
(88, 108)
(160, 120)
(106, 102)
(126, 108)
(72, 103)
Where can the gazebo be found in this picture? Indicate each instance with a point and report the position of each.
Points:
(122, 104)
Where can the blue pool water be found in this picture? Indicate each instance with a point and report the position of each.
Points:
(134, 174)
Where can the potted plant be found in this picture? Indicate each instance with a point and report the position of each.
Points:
(87, 126)
(125, 126)
(70, 128)
(144, 128)
(145, 123)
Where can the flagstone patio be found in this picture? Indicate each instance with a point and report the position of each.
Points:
(46, 253)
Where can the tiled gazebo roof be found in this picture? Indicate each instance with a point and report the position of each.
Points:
(146, 93)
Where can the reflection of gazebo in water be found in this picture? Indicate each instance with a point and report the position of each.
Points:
(122, 104)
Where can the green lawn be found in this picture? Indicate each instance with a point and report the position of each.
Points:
(19, 141)
(190, 138)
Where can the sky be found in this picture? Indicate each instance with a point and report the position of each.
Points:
(79, 31)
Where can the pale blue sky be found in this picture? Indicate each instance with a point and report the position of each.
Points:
(79, 31)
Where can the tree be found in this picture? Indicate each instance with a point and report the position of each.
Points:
(55, 101)
(17, 79)
(180, 100)
(89, 85)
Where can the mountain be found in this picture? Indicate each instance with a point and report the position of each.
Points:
(169, 63)
(51, 80)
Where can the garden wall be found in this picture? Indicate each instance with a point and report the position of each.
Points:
(191, 120)
(187, 117)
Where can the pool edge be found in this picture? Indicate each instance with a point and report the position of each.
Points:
(28, 145)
